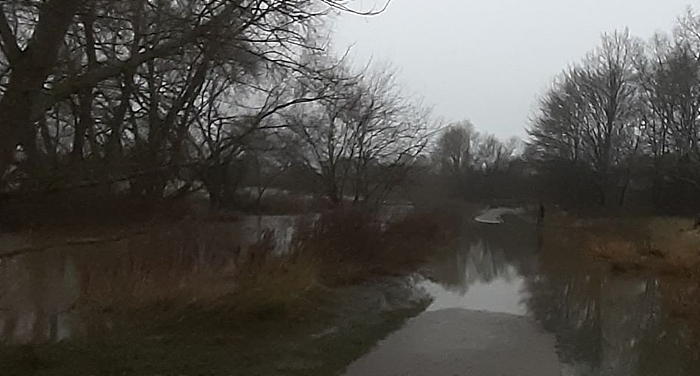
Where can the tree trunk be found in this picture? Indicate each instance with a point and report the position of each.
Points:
(85, 120)
(29, 72)
(114, 142)
(624, 192)
(48, 140)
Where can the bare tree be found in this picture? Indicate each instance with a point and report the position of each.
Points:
(455, 150)
(95, 76)
(29, 67)
(591, 116)
(361, 139)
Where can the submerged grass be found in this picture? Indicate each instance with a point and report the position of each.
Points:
(177, 264)
(199, 264)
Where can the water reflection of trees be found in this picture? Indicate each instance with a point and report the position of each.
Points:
(45, 296)
(482, 254)
(606, 324)
(37, 294)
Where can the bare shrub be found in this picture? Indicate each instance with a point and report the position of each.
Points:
(182, 263)
(191, 263)
(352, 245)
(203, 263)
(276, 286)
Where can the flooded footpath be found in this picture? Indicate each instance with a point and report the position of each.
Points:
(504, 303)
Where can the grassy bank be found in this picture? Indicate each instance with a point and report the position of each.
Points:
(665, 245)
(188, 301)
(665, 249)
(318, 334)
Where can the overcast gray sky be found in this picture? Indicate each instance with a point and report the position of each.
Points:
(488, 60)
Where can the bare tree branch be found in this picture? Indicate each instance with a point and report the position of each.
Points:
(9, 40)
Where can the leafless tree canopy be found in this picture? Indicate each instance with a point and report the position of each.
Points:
(625, 120)
(160, 97)
(479, 166)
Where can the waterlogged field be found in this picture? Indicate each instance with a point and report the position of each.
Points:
(217, 297)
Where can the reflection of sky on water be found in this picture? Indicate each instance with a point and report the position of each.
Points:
(500, 295)
(606, 324)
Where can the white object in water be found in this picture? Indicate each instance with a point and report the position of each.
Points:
(494, 216)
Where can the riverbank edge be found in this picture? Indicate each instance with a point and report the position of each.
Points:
(322, 335)
(668, 246)
(317, 330)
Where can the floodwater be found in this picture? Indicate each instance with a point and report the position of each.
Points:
(605, 323)
(41, 292)
(593, 321)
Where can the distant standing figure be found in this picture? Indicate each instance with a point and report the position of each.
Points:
(540, 215)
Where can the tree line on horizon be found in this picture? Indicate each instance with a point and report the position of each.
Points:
(621, 127)
(618, 130)
(478, 166)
